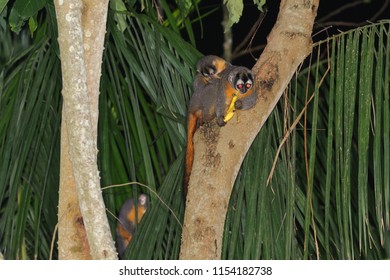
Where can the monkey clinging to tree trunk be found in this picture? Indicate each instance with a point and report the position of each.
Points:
(219, 89)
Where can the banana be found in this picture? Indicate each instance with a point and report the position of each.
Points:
(231, 110)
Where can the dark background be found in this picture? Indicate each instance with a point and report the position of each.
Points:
(333, 17)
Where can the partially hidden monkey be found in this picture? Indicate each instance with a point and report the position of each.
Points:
(129, 215)
(213, 97)
(208, 68)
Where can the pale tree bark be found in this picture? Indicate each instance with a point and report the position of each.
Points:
(84, 231)
(219, 152)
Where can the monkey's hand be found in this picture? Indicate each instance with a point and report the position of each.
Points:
(221, 121)
(238, 104)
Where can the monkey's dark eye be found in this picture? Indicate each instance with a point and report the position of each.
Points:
(248, 85)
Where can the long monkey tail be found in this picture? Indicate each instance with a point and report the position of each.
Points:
(191, 128)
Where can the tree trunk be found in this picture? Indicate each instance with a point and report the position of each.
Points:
(220, 152)
(84, 231)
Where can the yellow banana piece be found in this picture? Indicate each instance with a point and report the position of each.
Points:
(231, 110)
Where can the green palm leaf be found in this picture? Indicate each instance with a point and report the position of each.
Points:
(329, 196)
(29, 152)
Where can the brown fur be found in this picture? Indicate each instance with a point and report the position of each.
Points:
(211, 99)
(129, 217)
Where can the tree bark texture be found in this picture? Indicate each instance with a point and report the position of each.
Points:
(81, 29)
(219, 152)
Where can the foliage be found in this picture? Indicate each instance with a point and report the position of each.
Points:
(146, 84)
(235, 9)
(145, 91)
(29, 147)
(329, 194)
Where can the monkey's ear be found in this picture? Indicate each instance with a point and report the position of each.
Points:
(231, 78)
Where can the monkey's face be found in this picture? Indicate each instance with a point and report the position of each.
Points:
(241, 79)
(209, 71)
(211, 66)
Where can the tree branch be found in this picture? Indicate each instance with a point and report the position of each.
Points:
(81, 27)
(220, 152)
(227, 34)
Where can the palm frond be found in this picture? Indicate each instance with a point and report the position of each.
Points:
(29, 149)
(329, 195)
(146, 85)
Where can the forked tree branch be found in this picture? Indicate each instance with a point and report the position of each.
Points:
(81, 29)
